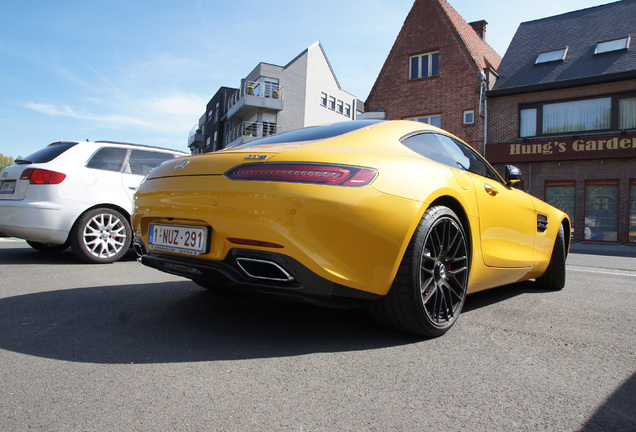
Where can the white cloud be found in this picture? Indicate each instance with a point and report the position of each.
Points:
(174, 113)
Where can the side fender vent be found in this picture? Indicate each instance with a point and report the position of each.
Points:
(542, 223)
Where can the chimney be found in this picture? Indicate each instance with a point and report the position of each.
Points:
(480, 28)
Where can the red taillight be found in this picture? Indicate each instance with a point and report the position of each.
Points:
(42, 176)
(341, 175)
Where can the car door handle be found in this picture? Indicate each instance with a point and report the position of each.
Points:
(132, 188)
(491, 190)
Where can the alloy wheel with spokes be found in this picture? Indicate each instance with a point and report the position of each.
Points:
(430, 288)
(101, 236)
(444, 272)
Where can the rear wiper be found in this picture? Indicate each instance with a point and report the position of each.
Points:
(22, 162)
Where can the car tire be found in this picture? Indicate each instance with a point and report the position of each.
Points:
(554, 277)
(101, 236)
(429, 290)
(48, 248)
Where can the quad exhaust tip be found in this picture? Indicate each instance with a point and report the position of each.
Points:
(263, 270)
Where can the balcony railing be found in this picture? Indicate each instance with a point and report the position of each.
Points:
(255, 88)
(249, 131)
(195, 136)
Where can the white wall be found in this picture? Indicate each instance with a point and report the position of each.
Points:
(320, 78)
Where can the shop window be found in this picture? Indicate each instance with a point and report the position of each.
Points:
(601, 210)
(424, 65)
(560, 194)
(632, 211)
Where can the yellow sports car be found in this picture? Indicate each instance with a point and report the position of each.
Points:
(398, 216)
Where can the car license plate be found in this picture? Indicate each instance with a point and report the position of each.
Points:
(191, 240)
(7, 187)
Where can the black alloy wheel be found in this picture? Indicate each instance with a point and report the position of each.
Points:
(430, 288)
(554, 277)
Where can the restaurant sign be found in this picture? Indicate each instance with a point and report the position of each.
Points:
(610, 146)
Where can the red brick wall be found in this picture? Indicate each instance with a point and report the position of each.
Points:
(453, 91)
(503, 112)
(503, 127)
(536, 174)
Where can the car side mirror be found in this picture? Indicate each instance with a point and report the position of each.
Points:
(513, 177)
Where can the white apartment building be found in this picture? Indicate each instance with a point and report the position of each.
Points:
(273, 99)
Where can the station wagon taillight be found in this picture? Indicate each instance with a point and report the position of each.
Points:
(339, 175)
(42, 176)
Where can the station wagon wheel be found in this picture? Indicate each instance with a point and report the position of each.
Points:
(101, 236)
(430, 288)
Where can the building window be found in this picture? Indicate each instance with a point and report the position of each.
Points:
(627, 113)
(469, 117)
(216, 133)
(612, 45)
(435, 120)
(560, 194)
(347, 110)
(424, 65)
(332, 103)
(340, 107)
(594, 114)
(632, 211)
(551, 56)
(216, 112)
(601, 210)
(528, 119)
(612, 112)
(323, 99)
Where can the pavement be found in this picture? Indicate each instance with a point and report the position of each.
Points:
(612, 249)
(625, 250)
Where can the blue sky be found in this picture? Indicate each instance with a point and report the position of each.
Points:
(142, 71)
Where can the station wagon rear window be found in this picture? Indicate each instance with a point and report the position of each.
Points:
(47, 154)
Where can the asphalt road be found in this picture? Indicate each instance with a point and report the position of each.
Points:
(122, 347)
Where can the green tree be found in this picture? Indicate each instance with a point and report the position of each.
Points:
(6, 161)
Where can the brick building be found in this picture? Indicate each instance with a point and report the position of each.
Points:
(563, 110)
(437, 72)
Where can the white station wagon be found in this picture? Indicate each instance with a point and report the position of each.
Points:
(77, 194)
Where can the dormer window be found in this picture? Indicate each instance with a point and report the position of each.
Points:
(551, 56)
(612, 45)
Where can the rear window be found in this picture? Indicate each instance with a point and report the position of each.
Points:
(313, 133)
(108, 159)
(47, 154)
(142, 161)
